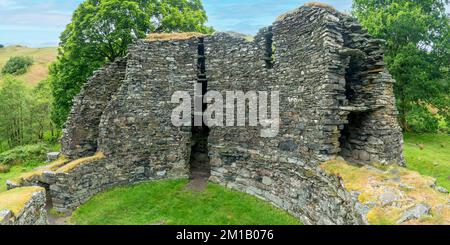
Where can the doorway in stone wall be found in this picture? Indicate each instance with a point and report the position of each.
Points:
(353, 138)
(200, 168)
(199, 165)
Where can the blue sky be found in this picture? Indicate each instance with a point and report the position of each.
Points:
(38, 23)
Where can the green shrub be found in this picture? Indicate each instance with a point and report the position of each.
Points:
(421, 120)
(17, 65)
(2, 46)
(29, 154)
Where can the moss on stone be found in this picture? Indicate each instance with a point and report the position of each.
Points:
(410, 187)
(383, 216)
(173, 36)
(74, 164)
(16, 199)
(320, 5)
(29, 176)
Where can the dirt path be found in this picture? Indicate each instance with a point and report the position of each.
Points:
(55, 219)
(200, 172)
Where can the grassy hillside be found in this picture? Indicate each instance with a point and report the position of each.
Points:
(429, 154)
(42, 59)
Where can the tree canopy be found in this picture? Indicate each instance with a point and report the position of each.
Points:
(417, 55)
(24, 112)
(102, 30)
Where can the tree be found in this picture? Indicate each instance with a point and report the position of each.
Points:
(14, 112)
(41, 107)
(417, 55)
(17, 65)
(24, 112)
(101, 31)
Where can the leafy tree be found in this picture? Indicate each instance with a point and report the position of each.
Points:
(17, 65)
(101, 31)
(417, 55)
(2, 46)
(41, 107)
(24, 112)
(14, 112)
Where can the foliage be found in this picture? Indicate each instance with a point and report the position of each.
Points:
(41, 108)
(42, 58)
(421, 120)
(24, 112)
(169, 202)
(429, 154)
(16, 171)
(417, 54)
(23, 159)
(17, 65)
(2, 46)
(26, 153)
(15, 113)
(101, 31)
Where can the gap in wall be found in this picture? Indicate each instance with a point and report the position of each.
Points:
(353, 140)
(199, 165)
(269, 49)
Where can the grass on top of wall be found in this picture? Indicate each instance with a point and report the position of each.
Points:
(170, 203)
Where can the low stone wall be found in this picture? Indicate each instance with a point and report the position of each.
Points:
(23, 206)
(306, 192)
(74, 186)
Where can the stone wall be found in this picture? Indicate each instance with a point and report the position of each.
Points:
(336, 99)
(81, 131)
(23, 206)
(136, 134)
(373, 133)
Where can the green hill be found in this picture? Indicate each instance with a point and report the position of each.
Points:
(42, 57)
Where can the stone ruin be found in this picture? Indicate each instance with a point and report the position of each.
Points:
(336, 100)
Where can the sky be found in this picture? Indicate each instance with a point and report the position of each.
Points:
(38, 23)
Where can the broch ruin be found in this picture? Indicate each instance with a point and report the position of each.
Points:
(336, 100)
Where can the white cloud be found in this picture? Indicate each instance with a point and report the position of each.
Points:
(8, 5)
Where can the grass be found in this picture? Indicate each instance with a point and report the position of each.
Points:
(429, 154)
(16, 171)
(169, 203)
(27, 158)
(16, 199)
(409, 187)
(74, 164)
(42, 58)
(173, 36)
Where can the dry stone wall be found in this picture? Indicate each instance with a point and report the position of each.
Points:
(23, 206)
(135, 131)
(336, 99)
(81, 132)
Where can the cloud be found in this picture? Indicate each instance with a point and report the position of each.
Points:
(37, 21)
(10, 5)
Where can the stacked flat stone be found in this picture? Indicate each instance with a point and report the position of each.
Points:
(23, 206)
(336, 100)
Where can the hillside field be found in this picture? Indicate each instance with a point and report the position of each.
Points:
(42, 57)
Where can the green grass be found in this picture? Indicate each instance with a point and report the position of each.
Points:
(26, 159)
(16, 171)
(42, 57)
(434, 157)
(168, 202)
